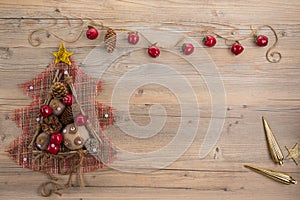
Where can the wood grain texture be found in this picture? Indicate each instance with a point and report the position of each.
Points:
(254, 87)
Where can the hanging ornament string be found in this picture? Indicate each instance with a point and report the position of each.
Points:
(111, 37)
(269, 54)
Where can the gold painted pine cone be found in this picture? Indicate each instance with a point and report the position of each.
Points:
(59, 90)
(110, 40)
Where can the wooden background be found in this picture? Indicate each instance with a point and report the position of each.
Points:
(254, 87)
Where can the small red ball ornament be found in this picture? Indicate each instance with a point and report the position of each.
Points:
(237, 48)
(91, 33)
(80, 120)
(133, 38)
(187, 48)
(68, 99)
(153, 51)
(261, 40)
(56, 138)
(45, 110)
(209, 41)
(52, 148)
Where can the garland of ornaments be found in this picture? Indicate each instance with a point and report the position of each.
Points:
(91, 29)
(187, 48)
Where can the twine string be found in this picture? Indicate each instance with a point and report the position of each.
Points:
(52, 186)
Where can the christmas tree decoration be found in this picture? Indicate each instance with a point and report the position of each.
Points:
(209, 41)
(64, 135)
(293, 153)
(110, 40)
(277, 176)
(237, 48)
(274, 148)
(91, 33)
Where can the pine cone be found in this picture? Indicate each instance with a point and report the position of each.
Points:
(110, 40)
(59, 90)
(67, 116)
(51, 124)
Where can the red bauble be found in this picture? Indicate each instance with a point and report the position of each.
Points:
(52, 148)
(92, 33)
(56, 138)
(153, 51)
(133, 38)
(80, 120)
(261, 40)
(209, 41)
(45, 110)
(68, 99)
(237, 48)
(187, 48)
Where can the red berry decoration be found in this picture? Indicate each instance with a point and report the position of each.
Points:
(261, 40)
(91, 33)
(133, 38)
(52, 148)
(237, 48)
(153, 51)
(45, 110)
(80, 120)
(68, 99)
(56, 138)
(187, 48)
(209, 41)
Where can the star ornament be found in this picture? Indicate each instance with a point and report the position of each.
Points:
(62, 55)
(293, 153)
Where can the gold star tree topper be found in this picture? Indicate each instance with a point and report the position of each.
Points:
(293, 153)
(62, 55)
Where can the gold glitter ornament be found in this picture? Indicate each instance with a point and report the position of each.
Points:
(62, 55)
(277, 176)
(293, 153)
(274, 148)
